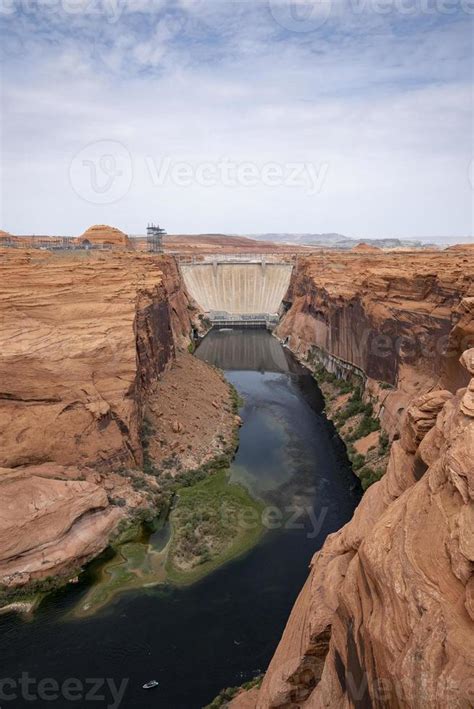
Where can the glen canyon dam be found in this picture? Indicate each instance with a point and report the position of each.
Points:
(238, 287)
(237, 354)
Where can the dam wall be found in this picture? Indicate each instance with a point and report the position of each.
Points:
(237, 288)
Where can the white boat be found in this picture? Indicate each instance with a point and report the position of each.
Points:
(151, 684)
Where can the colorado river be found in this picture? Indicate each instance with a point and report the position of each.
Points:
(223, 630)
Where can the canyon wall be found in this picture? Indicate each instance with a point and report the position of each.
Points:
(86, 339)
(386, 616)
(81, 337)
(400, 320)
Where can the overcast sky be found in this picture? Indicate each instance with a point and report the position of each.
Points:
(354, 116)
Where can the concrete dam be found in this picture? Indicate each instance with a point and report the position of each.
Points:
(237, 289)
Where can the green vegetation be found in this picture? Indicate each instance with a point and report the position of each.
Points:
(368, 476)
(383, 443)
(146, 432)
(213, 521)
(369, 424)
(354, 406)
(357, 459)
(220, 513)
(205, 322)
(324, 377)
(362, 422)
(236, 399)
(34, 591)
(227, 694)
(135, 565)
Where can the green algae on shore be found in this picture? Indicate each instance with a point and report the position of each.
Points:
(136, 564)
(212, 522)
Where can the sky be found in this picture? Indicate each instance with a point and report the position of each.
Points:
(349, 116)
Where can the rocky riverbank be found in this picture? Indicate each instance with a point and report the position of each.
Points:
(386, 615)
(366, 443)
(100, 400)
(397, 321)
(377, 329)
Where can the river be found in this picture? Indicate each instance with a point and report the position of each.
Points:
(223, 630)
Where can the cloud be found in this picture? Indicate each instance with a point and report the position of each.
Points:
(384, 100)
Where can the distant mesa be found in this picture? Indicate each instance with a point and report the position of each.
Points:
(104, 235)
(214, 241)
(366, 247)
(460, 247)
(7, 239)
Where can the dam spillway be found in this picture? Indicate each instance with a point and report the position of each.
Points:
(237, 288)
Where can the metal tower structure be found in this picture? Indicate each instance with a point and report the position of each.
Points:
(154, 238)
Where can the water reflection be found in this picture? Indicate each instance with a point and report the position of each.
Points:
(246, 350)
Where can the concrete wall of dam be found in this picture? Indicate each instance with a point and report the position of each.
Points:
(238, 288)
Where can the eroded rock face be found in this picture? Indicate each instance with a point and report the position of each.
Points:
(85, 341)
(461, 338)
(82, 338)
(50, 522)
(386, 616)
(399, 318)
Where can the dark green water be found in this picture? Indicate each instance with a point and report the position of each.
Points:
(223, 630)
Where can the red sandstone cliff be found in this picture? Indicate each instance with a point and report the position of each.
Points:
(88, 346)
(70, 363)
(386, 617)
(402, 319)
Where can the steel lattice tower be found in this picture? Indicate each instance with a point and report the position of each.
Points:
(154, 238)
